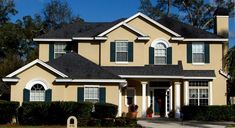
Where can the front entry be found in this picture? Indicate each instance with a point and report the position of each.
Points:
(159, 102)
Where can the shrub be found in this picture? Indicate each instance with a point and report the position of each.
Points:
(208, 113)
(38, 113)
(106, 110)
(94, 122)
(120, 122)
(107, 122)
(82, 122)
(7, 111)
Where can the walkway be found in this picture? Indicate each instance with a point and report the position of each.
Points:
(171, 123)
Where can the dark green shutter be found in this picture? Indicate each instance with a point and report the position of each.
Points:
(51, 51)
(26, 95)
(151, 55)
(189, 53)
(207, 53)
(112, 51)
(102, 95)
(169, 55)
(80, 94)
(130, 51)
(48, 95)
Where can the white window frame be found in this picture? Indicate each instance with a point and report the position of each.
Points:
(155, 52)
(198, 88)
(130, 88)
(121, 62)
(56, 52)
(91, 86)
(198, 43)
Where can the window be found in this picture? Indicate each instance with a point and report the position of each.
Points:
(198, 53)
(59, 49)
(160, 54)
(37, 93)
(91, 94)
(121, 51)
(130, 96)
(198, 93)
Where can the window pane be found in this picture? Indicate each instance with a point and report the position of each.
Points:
(160, 60)
(91, 94)
(59, 49)
(122, 56)
(193, 101)
(193, 93)
(203, 93)
(198, 53)
(130, 96)
(160, 54)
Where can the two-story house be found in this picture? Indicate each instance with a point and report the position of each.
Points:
(160, 63)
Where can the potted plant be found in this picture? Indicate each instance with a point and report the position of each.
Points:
(149, 112)
(132, 111)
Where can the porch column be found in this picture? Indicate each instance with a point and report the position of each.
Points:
(144, 98)
(210, 93)
(120, 101)
(186, 96)
(177, 100)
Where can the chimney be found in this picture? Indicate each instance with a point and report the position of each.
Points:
(221, 22)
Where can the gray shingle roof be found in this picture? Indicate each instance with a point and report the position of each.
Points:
(157, 70)
(185, 30)
(199, 73)
(77, 67)
(78, 29)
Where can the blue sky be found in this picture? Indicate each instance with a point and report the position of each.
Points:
(95, 10)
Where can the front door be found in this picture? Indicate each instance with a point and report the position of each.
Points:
(159, 102)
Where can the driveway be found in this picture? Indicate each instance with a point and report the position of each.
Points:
(171, 123)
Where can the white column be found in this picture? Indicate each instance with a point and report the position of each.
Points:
(144, 98)
(148, 95)
(210, 93)
(120, 101)
(186, 95)
(177, 100)
(171, 97)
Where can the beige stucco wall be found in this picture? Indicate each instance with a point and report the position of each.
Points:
(89, 50)
(59, 92)
(44, 51)
(222, 23)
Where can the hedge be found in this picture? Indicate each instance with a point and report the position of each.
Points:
(7, 111)
(38, 113)
(208, 113)
(106, 110)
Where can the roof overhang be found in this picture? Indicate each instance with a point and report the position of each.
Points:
(59, 80)
(51, 39)
(149, 76)
(10, 79)
(198, 78)
(199, 39)
(37, 61)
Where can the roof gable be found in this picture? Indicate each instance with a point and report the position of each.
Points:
(37, 61)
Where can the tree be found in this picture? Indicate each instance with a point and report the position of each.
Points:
(58, 13)
(198, 13)
(7, 8)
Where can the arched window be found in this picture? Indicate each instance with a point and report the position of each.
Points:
(37, 92)
(160, 53)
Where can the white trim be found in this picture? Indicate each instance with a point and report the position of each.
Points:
(133, 29)
(10, 79)
(92, 80)
(222, 16)
(196, 78)
(210, 93)
(100, 38)
(207, 39)
(148, 76)
(198, 64)
(31, 83)
(177, 38)
(43, 39)
(164, 41)
(83, 38)
(226, 75)
(133, 17)
(121, 62)
(143, 38)
(126, 95)
(37, 61)
(120, 101)
(91, 86)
